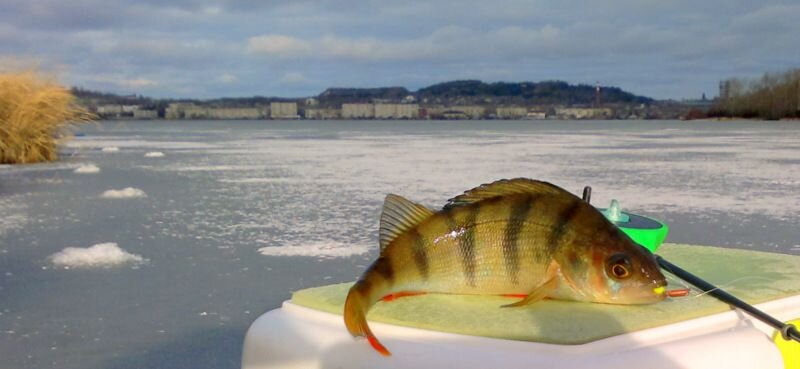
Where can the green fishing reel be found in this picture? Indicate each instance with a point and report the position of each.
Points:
(647, 232)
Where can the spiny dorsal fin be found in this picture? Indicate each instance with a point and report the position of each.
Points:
(505, 187)
(398, 216)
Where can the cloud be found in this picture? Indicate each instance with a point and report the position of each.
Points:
(103, 255)
(228, 78)
(125, 83)
(279, 46)
(295, 78)
(203, 48)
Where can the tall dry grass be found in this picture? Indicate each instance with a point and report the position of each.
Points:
(35, 114)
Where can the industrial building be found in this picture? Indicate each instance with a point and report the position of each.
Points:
(321, 113)
(458, 112)
(358, 111)
(396, 111)
(144, 114)
(192, 111)
(584, 113)
(236, 113)
(283, 110)
(511, 112)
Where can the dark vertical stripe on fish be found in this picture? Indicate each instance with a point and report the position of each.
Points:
(563, 220)
(467, 244)
(383, 267)
(519, 212)
(420, 250)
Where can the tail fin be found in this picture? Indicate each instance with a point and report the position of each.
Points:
(355, 318)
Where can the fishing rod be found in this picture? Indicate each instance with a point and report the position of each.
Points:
(788, 331)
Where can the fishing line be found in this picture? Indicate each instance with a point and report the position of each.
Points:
(788, 331)
(728, 285)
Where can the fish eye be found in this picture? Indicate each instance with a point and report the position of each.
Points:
(619, 266)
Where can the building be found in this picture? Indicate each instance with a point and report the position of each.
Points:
(471, 112)
(178, 111)
(109, 111)
(396, 111)
(236, 113)
(139, 113)
(537, 115)
(358, 111)
(511, 112)
(283, 110)
(584, 113)
(322, 113)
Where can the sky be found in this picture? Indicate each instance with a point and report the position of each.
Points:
(205, 49)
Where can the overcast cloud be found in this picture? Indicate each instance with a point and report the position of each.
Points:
(204, 48)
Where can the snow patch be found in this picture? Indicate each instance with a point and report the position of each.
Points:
(88, 168)
(154, 154)
(125, 193)
(316, 249)
(102, 255)
(110, 149)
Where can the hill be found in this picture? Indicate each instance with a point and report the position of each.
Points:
(547, 92)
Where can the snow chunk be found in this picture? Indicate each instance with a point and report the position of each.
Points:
(125, 193)
(88, 168)
(102, 255)
(316, 249)
(154, 154)
(110, 149)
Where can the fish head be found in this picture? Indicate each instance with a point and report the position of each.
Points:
(616, 270)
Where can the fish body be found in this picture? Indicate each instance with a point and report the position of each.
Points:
(510, 237)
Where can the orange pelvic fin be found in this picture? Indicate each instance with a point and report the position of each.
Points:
(394, 296)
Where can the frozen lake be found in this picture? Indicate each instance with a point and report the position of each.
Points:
(155, 244)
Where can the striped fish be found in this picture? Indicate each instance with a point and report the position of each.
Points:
(511, 237)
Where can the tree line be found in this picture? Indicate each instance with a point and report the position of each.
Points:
(773, 96)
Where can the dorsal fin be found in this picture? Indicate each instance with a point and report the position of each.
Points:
(505, 187)
(398, 216)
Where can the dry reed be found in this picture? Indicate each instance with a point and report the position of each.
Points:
(35, 114)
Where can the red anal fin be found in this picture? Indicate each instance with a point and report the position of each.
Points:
(395, 296)
(515, 295)
(377, 345)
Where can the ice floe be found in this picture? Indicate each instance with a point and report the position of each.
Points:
(87, 168)
(102, 255)
(125, 193)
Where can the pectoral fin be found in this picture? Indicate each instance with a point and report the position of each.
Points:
(542, 290)
(538, 293)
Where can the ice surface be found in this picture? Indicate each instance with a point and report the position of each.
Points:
(125, 193)
(248, 211)
(102, 255)
(110, 149)
(13, 213)
(316, 249)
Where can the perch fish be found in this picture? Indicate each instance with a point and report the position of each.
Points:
(511, 237)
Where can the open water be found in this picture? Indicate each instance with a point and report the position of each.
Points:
(177, 235)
